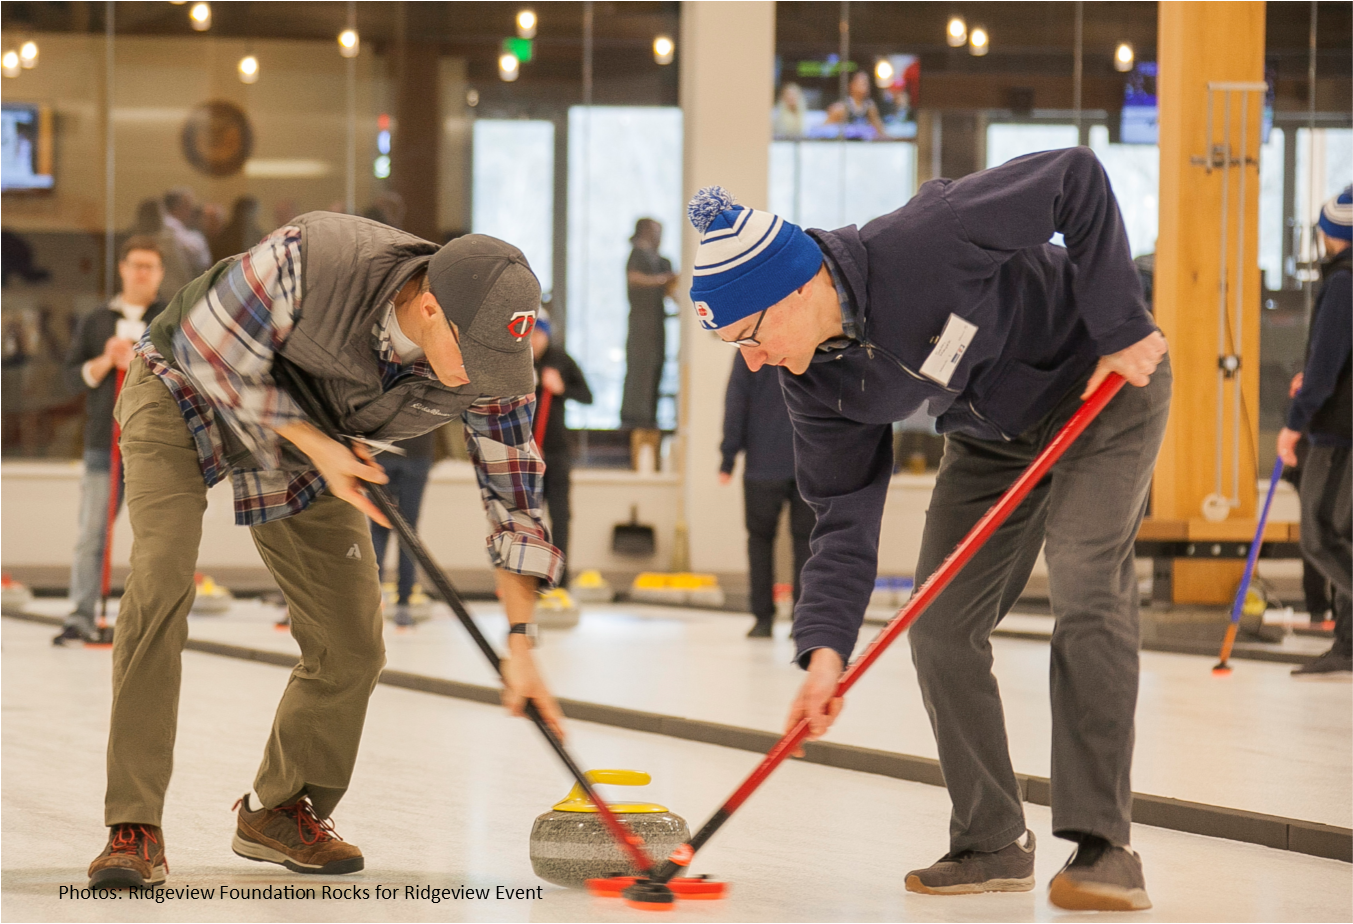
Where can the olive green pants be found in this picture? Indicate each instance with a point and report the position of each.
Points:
(332, 592)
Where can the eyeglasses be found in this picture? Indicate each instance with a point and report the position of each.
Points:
(750, 340)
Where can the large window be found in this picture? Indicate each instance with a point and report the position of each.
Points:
(1324, 169)
(624, 163)
(513, 188)
(830, 184)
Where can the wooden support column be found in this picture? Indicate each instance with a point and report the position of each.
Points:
(1202, 43)
(415, 169)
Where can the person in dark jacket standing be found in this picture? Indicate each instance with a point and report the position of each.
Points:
(398, 336)
(959, 301)
(559, 374)
(756, 421)
(1322, 408)
(101, 346)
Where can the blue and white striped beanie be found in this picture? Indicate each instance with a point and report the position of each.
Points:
(1336, 218)
(747, 260)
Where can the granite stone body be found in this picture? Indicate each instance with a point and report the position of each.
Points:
(568, 848)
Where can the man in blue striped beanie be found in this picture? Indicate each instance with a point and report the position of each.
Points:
(957, 301)
(1322, 408)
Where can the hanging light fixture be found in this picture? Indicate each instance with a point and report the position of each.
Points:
(979, 43)
(957, 32)
(349, 43)
(28, 54)
(248, 69)
(9, 64)
(526, 24)
(883, 73)
(664, 49)
(199, 17)
(509, 68)
(1123, 57)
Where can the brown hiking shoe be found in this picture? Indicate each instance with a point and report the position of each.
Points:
(133, 859)
(294, 836)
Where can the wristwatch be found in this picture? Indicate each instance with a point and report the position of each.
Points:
(528, 629)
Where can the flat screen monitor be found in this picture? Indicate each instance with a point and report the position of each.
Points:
(1141, 114)
(25, 147)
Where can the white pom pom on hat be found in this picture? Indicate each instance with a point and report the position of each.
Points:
(706, 205)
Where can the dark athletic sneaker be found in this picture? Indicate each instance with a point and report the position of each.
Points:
(295, 837)
(1010, 869)
(1100, 877)
(1332, 665)
(133, 859)
(762, 629)
(75, 635)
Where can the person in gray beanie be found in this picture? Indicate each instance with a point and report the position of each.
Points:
(958, 301)
(1322, 408)
(398, 336)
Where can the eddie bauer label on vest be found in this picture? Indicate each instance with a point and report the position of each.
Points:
(954, 340)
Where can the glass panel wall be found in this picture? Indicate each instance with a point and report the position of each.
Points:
(831, 184)
(222, 132)
(624, 164)
(513, 188)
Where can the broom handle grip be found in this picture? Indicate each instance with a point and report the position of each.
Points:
(924, 596)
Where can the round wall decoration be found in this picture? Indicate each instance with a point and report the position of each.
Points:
(217, 138)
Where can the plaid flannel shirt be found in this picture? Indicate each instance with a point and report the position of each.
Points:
(223, 354)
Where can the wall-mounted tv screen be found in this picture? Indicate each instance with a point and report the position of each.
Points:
(25, 147)
(1139, 124)
(879, 105)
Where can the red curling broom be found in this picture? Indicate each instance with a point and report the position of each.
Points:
(659, 890)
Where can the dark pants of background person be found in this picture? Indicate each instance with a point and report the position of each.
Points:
(762, 501)
(333, 597)
(1087, 512)
(1315, 587)
(556, 488)
(408, 479)
(1327, 529)
(645, 353)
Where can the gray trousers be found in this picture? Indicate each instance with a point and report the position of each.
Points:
(86, 567)
(1327, 528)
(1087, 511)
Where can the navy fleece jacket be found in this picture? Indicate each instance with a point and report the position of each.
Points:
(756, 421)
(976, 248)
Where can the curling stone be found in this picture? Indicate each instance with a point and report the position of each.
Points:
(555, 609)
(212, 599)
(570, 844)
(14, 595)
(591, 587)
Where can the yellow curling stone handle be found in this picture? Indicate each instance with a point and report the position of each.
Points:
(577, 801)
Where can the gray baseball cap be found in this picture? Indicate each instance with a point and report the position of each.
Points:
(487, 290)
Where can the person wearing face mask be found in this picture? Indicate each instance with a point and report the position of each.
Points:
(398, 336)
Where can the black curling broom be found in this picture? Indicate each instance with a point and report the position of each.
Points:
(296, 384)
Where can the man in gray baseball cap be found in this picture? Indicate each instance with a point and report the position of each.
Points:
(399, 337)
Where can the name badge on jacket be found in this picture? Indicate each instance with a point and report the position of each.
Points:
(953, 343)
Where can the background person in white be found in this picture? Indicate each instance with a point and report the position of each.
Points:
(102, 344)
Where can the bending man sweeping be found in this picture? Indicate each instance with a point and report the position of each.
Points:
(398, 336)
(958, 301)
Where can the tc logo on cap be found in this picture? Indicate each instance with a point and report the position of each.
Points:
(522, 323)
(706, 316)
